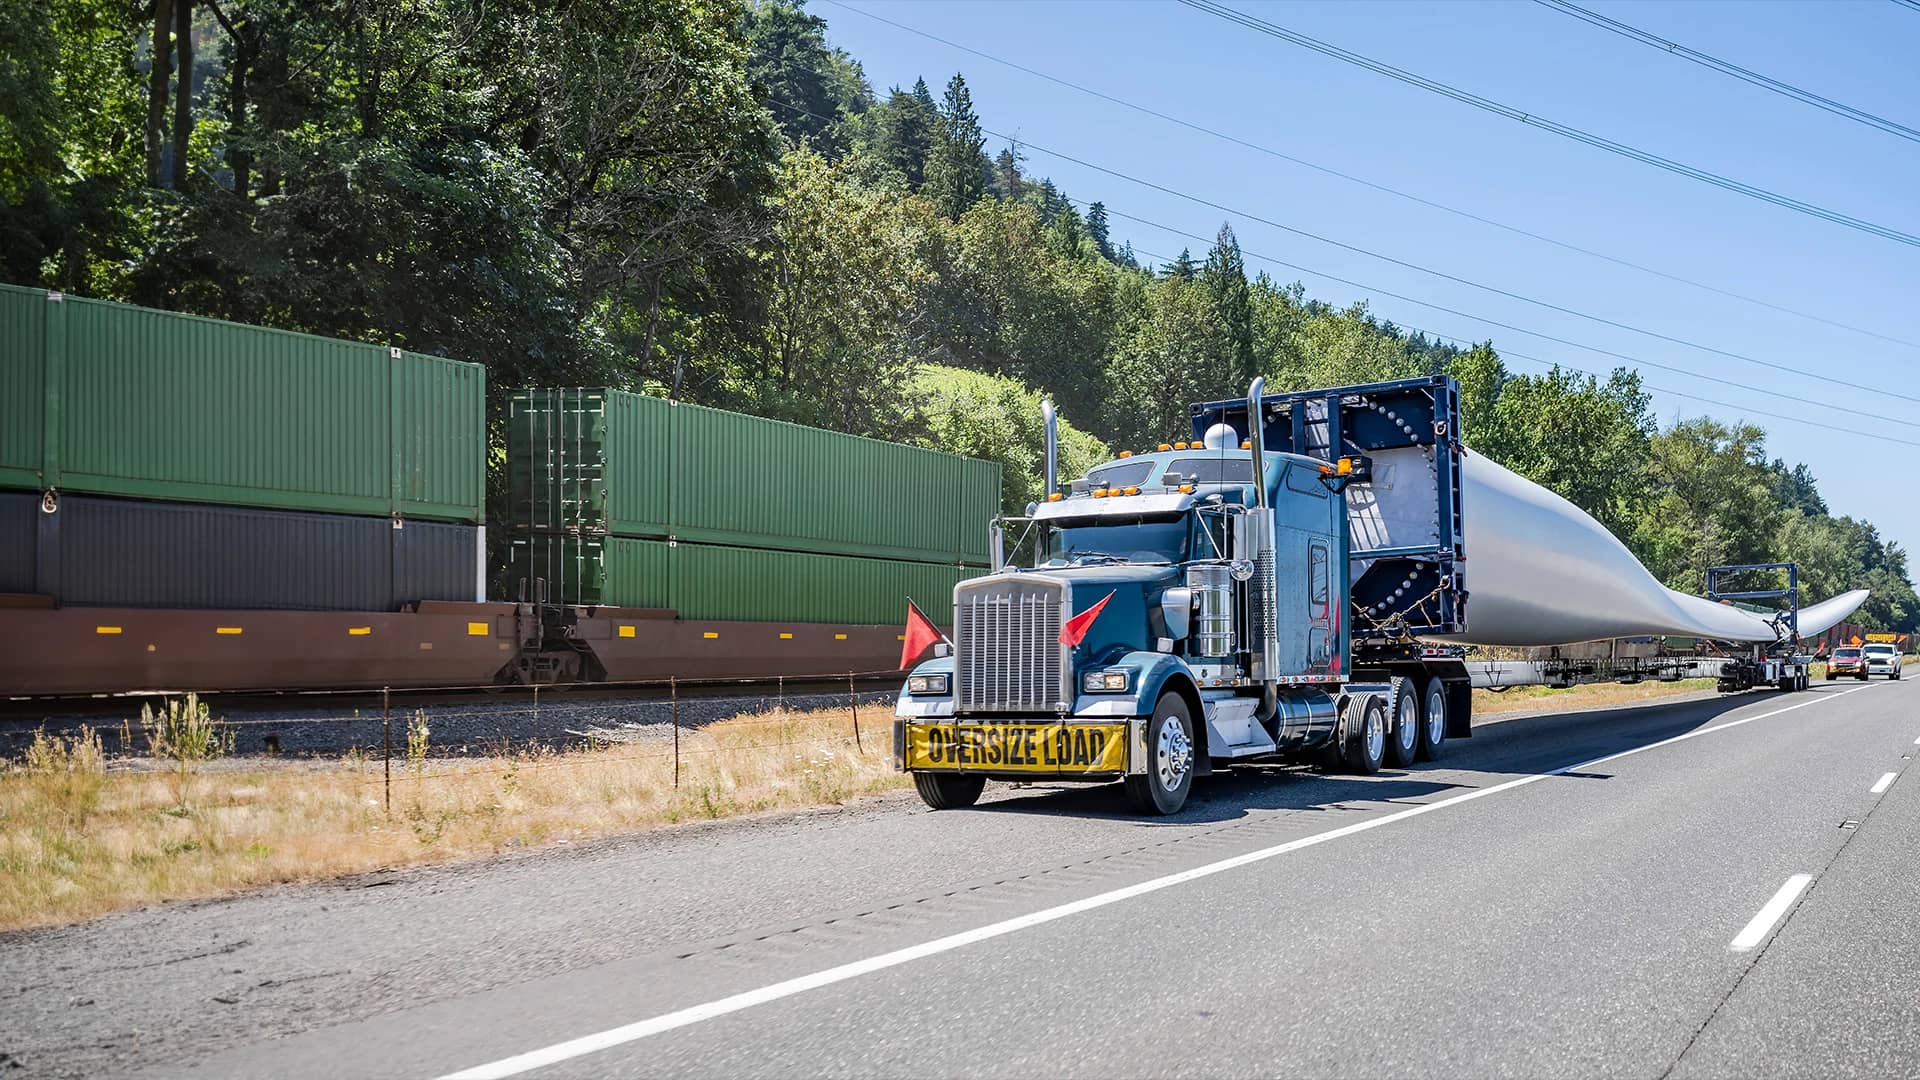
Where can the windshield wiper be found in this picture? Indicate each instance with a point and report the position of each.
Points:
(1076, 555)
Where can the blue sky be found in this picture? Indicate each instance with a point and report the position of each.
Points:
(1200, 68)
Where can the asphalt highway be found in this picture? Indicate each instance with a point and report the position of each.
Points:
(1727, 886)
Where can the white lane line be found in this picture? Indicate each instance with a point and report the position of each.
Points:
(1757, 930)
(1916, 742)
(1882, 784)
(602, 1040)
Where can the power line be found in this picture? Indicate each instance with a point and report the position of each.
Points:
(1383, 188)
(1726, 67)
(1502, 351)
(1796, 372)
(1273, 260)
(1602, 320)
(1212, 7)
(1912, 5)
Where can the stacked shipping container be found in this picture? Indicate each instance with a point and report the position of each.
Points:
(166, 460)
(629, 500)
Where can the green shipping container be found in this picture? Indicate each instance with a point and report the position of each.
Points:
(703, 581)
(119, 400)
(623, 464)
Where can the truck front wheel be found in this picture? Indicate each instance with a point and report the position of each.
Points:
(947, 791)
(1163, 788)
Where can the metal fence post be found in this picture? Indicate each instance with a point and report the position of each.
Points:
(853, 702)
(386, 719)
(673, 690)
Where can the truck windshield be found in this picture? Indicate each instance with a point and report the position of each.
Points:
(1146, 538)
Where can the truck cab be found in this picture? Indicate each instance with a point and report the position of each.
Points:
(1181, 608)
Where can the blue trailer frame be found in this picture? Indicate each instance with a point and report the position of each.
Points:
(1364, 419)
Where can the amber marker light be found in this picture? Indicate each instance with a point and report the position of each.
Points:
(1164, 446)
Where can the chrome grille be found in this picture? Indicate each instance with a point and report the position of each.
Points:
(1006, 645)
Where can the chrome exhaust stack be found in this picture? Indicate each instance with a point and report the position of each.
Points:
(1256, 438)
(1051, 477)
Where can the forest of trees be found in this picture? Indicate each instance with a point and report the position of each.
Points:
(705, 198)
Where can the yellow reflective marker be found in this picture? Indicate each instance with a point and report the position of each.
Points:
(359, 631)
(709, 635)
(478, 629)
(426, 645)
(106, 629)
(227, 631)
(899, 637)
(786, 637)
(626, 631)
(839, 637)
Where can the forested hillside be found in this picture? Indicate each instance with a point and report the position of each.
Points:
(707, 199)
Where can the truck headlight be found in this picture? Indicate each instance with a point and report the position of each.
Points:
(930, 685)
(1106, 682)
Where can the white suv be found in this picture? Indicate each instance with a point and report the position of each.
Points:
(1881, 660)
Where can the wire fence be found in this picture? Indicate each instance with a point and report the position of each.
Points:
(521, 723)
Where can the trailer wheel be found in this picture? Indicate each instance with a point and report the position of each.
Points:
(1163, 788)
(1403, 738)
(1365, 745)
(948, 791)
(1433, 726)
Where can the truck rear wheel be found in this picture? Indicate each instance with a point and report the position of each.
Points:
(1403, 739)
(948, 791)
(1433, 717)
(1365, 744)
(1163, 788)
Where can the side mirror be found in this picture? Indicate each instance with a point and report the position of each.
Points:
(942, 649)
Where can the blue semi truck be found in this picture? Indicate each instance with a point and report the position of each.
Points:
(1263, 590)
(1204, 602)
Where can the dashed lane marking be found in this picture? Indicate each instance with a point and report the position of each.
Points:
(642, 1029)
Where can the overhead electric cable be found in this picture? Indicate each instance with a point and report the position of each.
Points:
(1911, 5)
(1233, 15)
(1726, 67)
(1383, 188)
(1630, 359)
(1463, 343)
(1797, 372)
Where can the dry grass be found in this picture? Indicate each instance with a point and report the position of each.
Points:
(77, 840)
(1488, 703)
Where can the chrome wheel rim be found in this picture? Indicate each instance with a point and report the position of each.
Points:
(1173, 753)
(1436, 717)
(1376, 738)
(1406, 725)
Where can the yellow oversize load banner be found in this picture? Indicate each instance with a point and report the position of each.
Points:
(1039, 748)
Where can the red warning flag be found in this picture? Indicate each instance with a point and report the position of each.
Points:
(1075, 629)
(920, 635)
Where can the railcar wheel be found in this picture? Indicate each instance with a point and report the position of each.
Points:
(1164, 787)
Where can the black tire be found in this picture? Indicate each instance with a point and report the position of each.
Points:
(1831, 676)
(1364, 746)
(1403, 732)
(1862, 676)
(1164, 787)
(948, 791)
(1433, 719)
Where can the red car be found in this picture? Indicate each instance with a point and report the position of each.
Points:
(1847, 661)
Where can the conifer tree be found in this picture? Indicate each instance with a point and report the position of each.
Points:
(1226, 278)
(957, 168)
(1097, 229)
